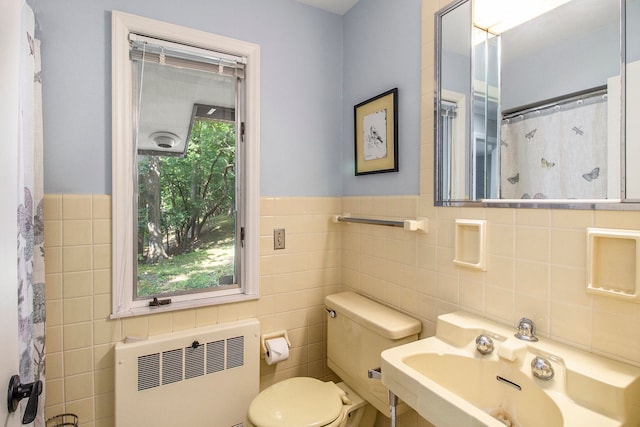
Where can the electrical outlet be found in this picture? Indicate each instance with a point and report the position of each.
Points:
(278, 238)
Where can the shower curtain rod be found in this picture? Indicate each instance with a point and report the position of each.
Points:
(547, 103)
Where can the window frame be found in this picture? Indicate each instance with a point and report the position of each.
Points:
(124, 156)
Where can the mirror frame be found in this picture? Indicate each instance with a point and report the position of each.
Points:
(586, 204)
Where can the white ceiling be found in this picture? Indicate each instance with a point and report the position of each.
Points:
(336, 6)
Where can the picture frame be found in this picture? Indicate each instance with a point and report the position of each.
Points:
(376, 134)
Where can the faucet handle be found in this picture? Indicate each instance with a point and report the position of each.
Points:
(526, 330)
(484, 344)
(541, 368)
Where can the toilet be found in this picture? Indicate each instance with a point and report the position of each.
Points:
(358, 330)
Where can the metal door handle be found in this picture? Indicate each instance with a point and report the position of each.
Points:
(18, 391)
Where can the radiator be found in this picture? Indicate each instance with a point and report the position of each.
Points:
(203, 377)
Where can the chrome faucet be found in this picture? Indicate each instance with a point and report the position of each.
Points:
(484, 344)
(526, 330)
(541, 368)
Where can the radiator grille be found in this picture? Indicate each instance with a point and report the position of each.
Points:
(235, 352)
(148, 371)
(193, 361)
(186, 363)
(215, 356)
(171, 366)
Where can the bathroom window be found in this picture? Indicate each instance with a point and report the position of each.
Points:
(185, 167)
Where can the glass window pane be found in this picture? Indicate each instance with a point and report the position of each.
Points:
(186, 160)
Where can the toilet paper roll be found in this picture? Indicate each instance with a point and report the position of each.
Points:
(277, 350)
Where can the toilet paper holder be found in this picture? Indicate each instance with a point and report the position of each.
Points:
(271, 335)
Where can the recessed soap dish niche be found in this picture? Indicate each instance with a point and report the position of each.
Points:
(613, 261)
(470, 243)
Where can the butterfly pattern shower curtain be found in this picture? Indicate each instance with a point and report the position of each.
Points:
(559, 153)
(31, 314)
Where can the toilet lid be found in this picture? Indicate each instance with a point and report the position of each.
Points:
(298, 402)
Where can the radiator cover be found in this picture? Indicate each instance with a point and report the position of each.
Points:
(203, 377)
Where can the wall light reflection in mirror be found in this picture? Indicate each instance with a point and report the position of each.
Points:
(497, 16)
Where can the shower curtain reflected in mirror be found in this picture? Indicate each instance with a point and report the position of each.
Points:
(557, 152)
(31, 315)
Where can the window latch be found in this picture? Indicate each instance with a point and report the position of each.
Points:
(158, 302)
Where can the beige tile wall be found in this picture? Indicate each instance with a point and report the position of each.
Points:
(81, 338)
(536, 268)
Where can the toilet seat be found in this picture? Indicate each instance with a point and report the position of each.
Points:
(300, 401)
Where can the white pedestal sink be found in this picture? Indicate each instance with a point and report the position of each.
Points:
(448, 382)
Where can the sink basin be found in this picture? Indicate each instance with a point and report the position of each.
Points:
(449, 383)
(505, 394)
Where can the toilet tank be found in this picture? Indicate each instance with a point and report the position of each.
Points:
(359, 332)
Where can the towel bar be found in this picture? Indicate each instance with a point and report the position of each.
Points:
(419, 224)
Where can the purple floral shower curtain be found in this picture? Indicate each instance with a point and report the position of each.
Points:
(31, 315)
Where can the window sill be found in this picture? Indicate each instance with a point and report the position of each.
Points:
(184, 305)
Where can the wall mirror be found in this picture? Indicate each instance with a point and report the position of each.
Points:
(534, 107)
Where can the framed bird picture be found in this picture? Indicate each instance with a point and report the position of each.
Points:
(376, 134)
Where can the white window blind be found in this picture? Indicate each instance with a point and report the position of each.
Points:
(164, 52)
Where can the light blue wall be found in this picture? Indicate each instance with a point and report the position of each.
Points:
(301, 55)
(382, 51)
(633, 30)
(307, 95)
(572, 65)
